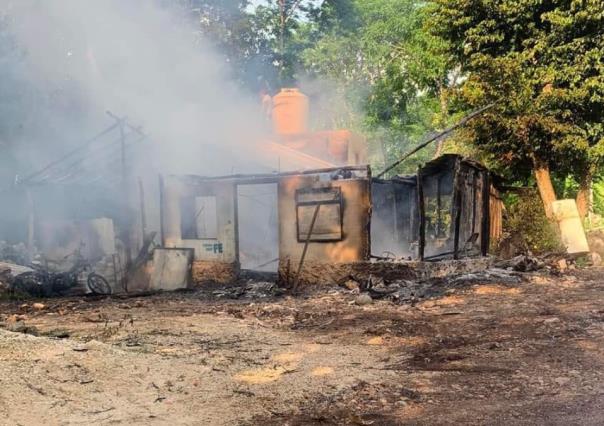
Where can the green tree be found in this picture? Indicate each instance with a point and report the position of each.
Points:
(542, 62)
(285, 27)
(395, 74)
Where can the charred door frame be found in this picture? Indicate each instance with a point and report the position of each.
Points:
(459, 166)
(422, 215)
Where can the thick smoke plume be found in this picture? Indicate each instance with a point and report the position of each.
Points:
(139, 60)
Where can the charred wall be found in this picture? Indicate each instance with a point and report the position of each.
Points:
(201, 215)
(342, 234)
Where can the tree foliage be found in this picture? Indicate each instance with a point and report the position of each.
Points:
(392, 71)
(542, 62)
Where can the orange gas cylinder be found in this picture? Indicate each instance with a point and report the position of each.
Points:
(290, 112)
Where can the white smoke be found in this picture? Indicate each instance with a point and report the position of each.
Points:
(144, 62)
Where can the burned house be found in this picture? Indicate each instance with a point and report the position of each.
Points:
(206, 214)
(443, 211)
(82, 207)
(322, 223)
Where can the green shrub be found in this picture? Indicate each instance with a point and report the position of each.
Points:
(526, 228)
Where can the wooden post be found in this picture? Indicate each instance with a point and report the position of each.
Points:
(485, 232)
(370, 212)
(141, 191)
(422, 216)
(162, 224)
(312, 225)
(457, 199)
(236, 224)
(127, 219)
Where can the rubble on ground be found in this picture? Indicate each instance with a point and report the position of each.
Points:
(412, 291)
(250, 289)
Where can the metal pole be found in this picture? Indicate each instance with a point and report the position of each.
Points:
(442, 134)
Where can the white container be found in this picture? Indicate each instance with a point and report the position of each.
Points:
(571, 227)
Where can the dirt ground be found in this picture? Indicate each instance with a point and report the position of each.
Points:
(481, 353)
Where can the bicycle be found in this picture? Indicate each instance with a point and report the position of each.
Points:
(41, 282)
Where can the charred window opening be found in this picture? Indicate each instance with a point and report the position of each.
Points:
(199, 219)
(455, 204)
(438, 193)
(329, 221)
(395, 220)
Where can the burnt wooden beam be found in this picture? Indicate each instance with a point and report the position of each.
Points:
(245, 179)
(485, 234)
(236, 223)
(474, 196)
(422, 216)
(457, 198)
(141, 194)
(312, 225)
(162, 223)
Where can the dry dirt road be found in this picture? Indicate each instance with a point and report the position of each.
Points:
(528, 353)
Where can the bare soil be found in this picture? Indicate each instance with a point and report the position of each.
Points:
(528, 353)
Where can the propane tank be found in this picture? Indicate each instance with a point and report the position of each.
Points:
(290, 112)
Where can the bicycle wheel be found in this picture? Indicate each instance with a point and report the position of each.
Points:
(98, 284)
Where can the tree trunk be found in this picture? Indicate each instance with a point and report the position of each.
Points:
(584, 194)
(546, 189)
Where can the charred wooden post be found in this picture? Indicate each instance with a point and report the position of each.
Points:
(486, 216)
(236, 226)
(474, 200)
(457, 199)
(162, 223)
(310, 229)
(141, 192)
(422, 216)
(30, 225)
